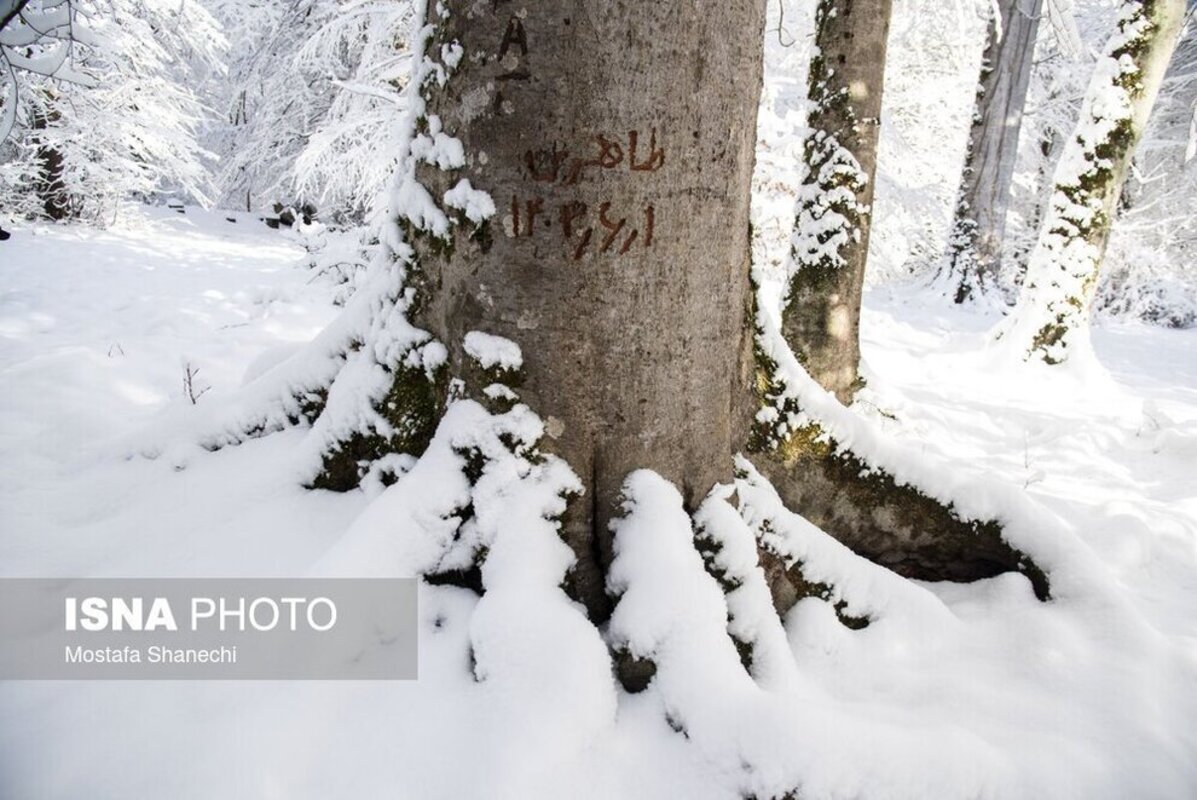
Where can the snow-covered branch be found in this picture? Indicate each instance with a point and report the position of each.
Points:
(101, 104)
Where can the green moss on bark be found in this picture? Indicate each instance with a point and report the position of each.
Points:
(412, 407)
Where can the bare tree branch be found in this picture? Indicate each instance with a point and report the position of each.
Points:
(10, 10)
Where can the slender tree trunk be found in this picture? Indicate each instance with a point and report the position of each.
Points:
(1064, 269)
(975, 247)
(821, 322)
(51, 189)
(616, 142)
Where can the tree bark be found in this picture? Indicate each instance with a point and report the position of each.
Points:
(616, 142)
(890, 523)
(821, 321)
(975, 246)
(1062, 276)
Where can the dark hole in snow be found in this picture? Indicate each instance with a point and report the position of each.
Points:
(635, 674)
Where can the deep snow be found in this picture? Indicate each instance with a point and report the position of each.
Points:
(953, 691)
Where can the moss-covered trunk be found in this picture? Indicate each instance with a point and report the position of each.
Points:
(821, 322)
(893, 524)
(1064, 269)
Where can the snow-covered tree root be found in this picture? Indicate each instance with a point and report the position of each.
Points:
(904, 513)
(1053, 314)
(372, 386)
(368, 387)
(694, 638)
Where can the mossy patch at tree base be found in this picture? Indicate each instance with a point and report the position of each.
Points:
(413, 408)
(788, 585)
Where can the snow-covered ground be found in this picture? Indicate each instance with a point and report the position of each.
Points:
(953, 691)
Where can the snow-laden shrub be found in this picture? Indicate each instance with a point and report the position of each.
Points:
(102, 99)
(1143, 282)
(311, 109)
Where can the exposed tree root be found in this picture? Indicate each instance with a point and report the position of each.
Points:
(892, 524)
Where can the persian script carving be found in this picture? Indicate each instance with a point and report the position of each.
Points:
(585, 228)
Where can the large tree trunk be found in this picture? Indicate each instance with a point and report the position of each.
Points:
(1064, 269)
(616, 142)
(975, 247)
(579, 187)
(821, 322)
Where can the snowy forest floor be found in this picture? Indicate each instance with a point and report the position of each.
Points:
(1092, 695)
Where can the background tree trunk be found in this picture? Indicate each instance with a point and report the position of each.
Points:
(975, 246)
(1064, 269)
(821, 321)
(616, 142)
(51, 190)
